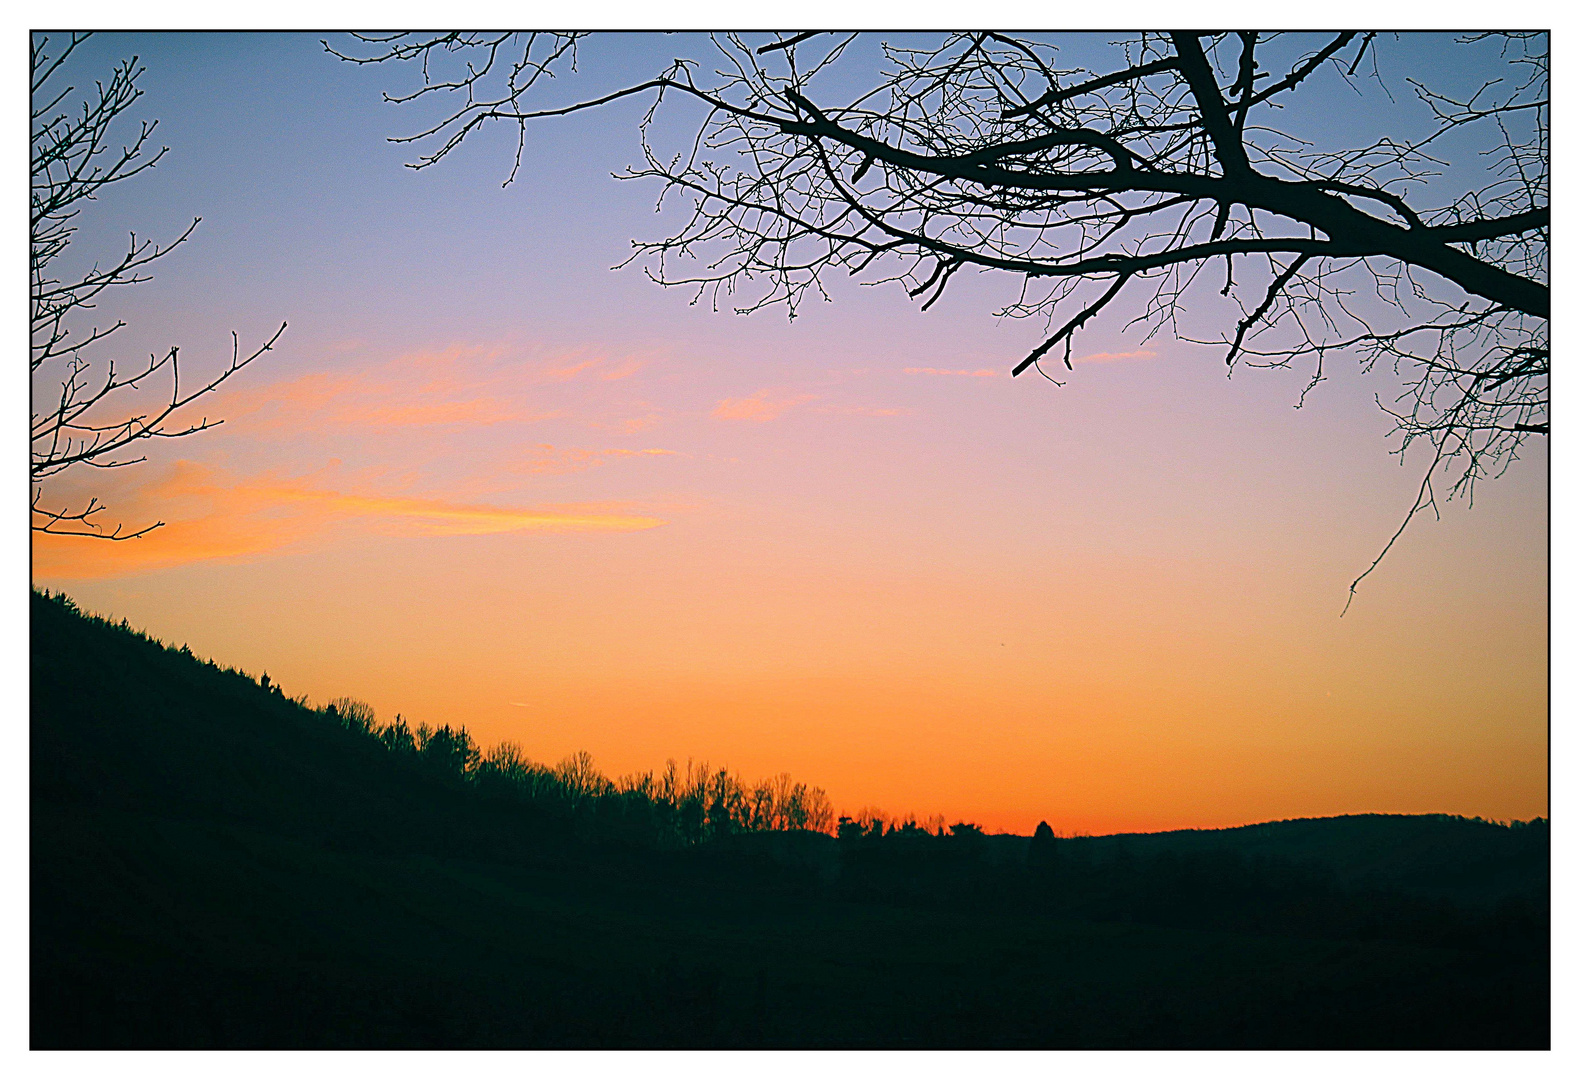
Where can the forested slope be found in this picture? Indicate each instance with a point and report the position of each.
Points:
(214, 864)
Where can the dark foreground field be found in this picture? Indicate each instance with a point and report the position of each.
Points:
(214, 865)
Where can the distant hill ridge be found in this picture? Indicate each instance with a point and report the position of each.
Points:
(1467, 859)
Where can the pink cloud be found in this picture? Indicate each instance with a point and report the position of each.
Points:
(624, 371)
(459, 385)
(569, 372)
(580, 363)
(212, 515)
(1110, 357)
(553, 460)
(456, 386)
(758, 407)
(981, 373)
(864, 410)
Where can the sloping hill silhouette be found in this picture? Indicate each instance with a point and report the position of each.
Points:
(1466, 860)
(122, 724)
(214, 864)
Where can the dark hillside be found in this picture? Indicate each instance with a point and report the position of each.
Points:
(213, 864)
(122, 724)
(1466, 860)
(1438, 855)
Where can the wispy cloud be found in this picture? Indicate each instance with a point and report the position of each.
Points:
(569, 371)
(759, 407)
(546, 460)
(990, 373)
(622, 370)
(576, 364)
(980, 373)
(864, 410)
(634, 424)
(415, 390)
(435, 517)
(1111, 357)
(470, 385)
(211, 516)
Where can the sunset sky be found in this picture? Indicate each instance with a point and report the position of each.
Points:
(483, 479)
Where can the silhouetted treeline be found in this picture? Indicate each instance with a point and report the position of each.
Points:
(677, 807)
(673, 808)
(216, 864)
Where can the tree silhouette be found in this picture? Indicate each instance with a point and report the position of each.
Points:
(91, 420)
(1044, 844)
(1425, 249)
(354, 714)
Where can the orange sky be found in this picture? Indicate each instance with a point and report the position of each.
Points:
(484, 481)
(941, 593)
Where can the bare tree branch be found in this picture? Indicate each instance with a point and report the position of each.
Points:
(979, 150)
(87, 422)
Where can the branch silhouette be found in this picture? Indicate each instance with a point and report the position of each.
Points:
(89, 422)
(1089, 185)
